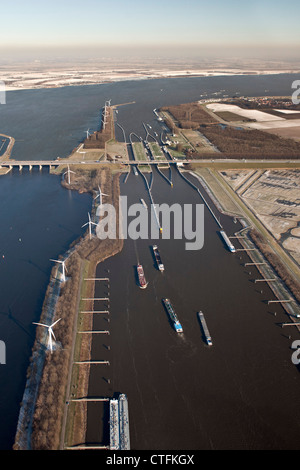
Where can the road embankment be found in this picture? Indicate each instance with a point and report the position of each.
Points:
(42, 416)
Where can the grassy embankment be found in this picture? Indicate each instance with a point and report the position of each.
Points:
(140, 155)
(53, 422)
(231, 141)
(230, 203)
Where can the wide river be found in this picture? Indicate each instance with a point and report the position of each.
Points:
(241, 393)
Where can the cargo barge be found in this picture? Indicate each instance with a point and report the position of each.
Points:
(124, 423)
(158, 258)
(227, 241)
(205, 329)
(141, 277)
(119, 423)
(172, 315)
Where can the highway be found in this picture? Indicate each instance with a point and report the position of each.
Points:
(65, 162)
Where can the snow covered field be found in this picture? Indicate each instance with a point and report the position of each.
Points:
(259, 116)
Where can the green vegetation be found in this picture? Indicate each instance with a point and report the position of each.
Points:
(228, 141)
(140, 155)
(52, 387)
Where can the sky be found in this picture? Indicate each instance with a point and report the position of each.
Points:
(174, 24)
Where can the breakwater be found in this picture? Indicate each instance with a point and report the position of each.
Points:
(42, 411)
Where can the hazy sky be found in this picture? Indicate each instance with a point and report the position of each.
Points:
(124, 23)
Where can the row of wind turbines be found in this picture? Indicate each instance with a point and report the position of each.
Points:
(51, 335)
(103, 121)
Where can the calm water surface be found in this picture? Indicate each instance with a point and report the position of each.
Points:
(241, 393)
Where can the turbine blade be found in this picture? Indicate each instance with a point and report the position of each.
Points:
(41, 324)
(52, 334)
(50, 342)
(55, 323)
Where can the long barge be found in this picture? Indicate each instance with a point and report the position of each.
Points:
(172, 315)
(124, 422)
(158, 258)
(141, 277)
(205, 329)
(227, 241)
(119, 423)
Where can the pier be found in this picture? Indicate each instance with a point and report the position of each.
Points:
(87, 399)
(95, 311)
(95, 332)
(255, 264)
(92, 362)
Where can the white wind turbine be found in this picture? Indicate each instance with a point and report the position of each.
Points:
(50, 333)
(87, 134)
(89, 223)
(69, 172)
(64, 269)
(99, 195)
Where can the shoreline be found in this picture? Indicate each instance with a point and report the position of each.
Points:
(63, 79)
(37, 421)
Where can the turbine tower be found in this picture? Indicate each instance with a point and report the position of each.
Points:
(64, 269)
(68, 172)
(99, 195)
(89, 223)
(50, 333)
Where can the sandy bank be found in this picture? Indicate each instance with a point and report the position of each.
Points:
(18, 80)
(44, 416)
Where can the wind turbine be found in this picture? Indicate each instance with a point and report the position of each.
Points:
(68, 172)
(64, 269)
(50, 333)
(100, 196)
(87, 134)
(89, 223)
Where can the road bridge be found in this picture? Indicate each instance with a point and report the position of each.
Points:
(20, 164)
